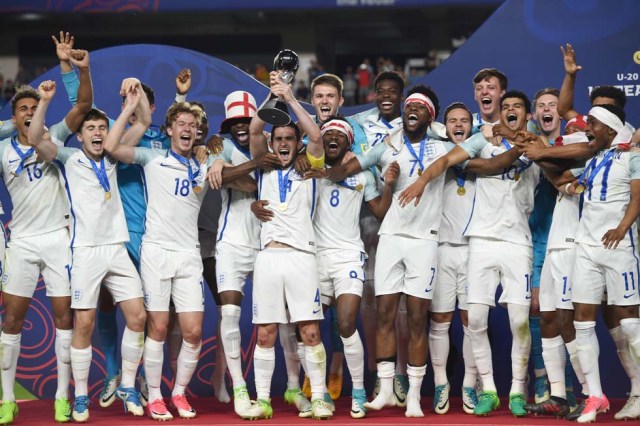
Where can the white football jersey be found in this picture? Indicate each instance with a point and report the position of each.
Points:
(456, 208)
(337, 219)
(172, 203)
(606, 201)
(292, 220)
(237, 225)
(503, 202)
(424, 220)
(564, 224)
(377, 128)
(97, 216)
(38, 199)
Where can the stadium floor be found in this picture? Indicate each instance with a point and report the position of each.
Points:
(210, 411)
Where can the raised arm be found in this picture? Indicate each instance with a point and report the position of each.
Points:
(257, 139)
(565, 100)
(122, 152)
(80, 58)
(133, 135)
(63, 46)
(46, 149)
(183, 84)
(380, 205)
(416, 189)
(315, 147)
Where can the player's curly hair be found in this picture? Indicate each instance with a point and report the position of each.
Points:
(429, 93)
(612, 92)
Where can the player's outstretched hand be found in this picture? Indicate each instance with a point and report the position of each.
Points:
(612, 237)
(214, 174)
(64, 45)
(569, 57)
(267, 161)
(314, 173)
(412, 192)
(258, 208)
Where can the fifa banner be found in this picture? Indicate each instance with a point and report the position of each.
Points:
(522, 39)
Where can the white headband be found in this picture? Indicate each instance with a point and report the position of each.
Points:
(420, 98)
(339, 125)
(623, 138)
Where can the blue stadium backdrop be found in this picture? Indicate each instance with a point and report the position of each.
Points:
(521, 38)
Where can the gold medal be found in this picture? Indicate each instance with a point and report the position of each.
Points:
(516, 176)
(461, 191)
(282, 207)
(107, 195)
(419, 172)
(580, 189)
(197, 189)
(359, 187)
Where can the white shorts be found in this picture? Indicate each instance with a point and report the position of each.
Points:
(171, 276)
(493, 262)
(286, 278)
(26, 258)
(451, 279)
(340, 272)
(233, 265)
(107, 264)
(207, 240)
(556, 280)
(598, 269)
(406, 265)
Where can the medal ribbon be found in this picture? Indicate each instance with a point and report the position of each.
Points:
(283, 184)
(593, 169)
(385, 122)
(461, 177)
(413, 153)
(185, 161)
(101, 174)
(23, 155)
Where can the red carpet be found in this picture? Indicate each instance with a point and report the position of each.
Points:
(211, 412)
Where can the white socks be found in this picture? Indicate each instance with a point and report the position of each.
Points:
(623, 349)
(354, 354)
(386, 371)
(589, 351)
(230, 336)
(478, 324)
(131, 350)
(520, 346)
(439, 349)
(264, 363)
(153, 358)
(470, 370)
(80, 364)
(572, 349)
(287, 334)
(10, 351)
(63, 362)
(555, 358)
(416, 374)
(187, 363)
(316, 360)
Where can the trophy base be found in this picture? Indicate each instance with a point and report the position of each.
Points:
(275, 112)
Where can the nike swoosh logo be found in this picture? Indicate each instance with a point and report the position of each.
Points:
(527, 297)
(444, 404)
(626, 296)
(107, 397)
(428, 290)
(565, 300)
(13, 161)
(470, 407)
(316, 311)
(400, 400)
